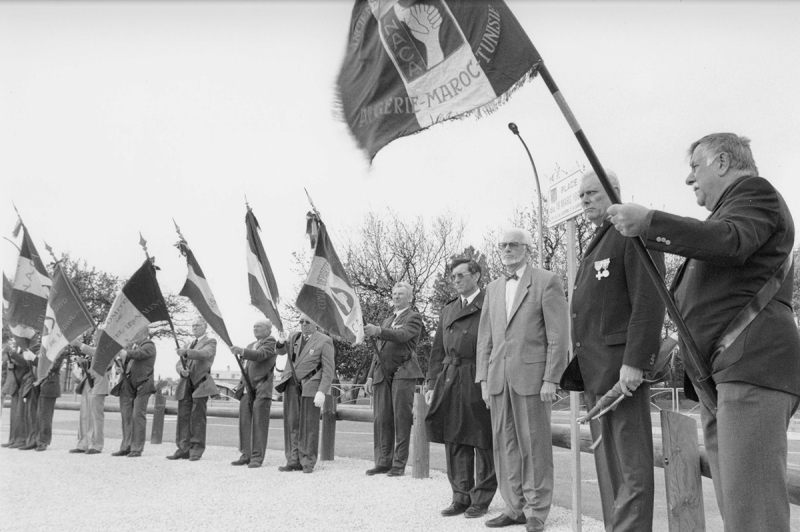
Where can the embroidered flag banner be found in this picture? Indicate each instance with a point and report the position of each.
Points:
(137, 305)
(29, 289)
(199, 293)
(67, 316)
(410, 65)
(263, 288)
(327, 297)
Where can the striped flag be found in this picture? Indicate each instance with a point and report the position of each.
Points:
(327, 297)
(67, 316)
(263, 288)
(29, 289)
(7, 289)
(199, 293)
(409, 67)
(138, 304)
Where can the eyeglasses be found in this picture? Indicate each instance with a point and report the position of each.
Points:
(304, 322)
(511, 245)
(458, 276)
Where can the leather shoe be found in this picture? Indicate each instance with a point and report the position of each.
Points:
(126, 452)
(194, 458)
(41, 447)
(504, 520)
(378, 470)
(253, 465)
(396, 472)
(534, 524)
(290, 467)
(178, 456)
(241, 461)
(476, 510)
(308, 469)
(27, 447)
(456, 508)
(92, 451)
(8, 444)
(76, 451)
(134, 454)
(16, 445)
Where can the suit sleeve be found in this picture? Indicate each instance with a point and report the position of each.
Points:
(145, 351)
(484, 350)
(206, 353)
(264, 351)
(406, 332)
(556, 319)
(437, 354)
(328, 368)
(748, 217)
(371, 373)
(647, 310)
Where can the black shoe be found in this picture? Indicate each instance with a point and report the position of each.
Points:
(41, 447)
(290, 467)
(454, 509)
(9, 444)
(28, 447)
(476, 510)
(134, 454)
(194, 458)
(76, 451)
(241, 461)
(396, 472)
(15, 445)
(534, 524)
(253, 465)
(92, 451)
(504, 520)
(378, 470)
(124, 452)
(308, 469)
(178, 456)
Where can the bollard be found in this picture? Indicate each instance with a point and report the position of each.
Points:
(682, 473)
(422, 447)
(328, 440)
(159, 408)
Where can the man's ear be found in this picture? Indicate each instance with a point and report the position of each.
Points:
(724, 163)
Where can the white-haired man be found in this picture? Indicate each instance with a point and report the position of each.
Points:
(522, 352)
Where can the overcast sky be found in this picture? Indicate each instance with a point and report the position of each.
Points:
(116, 117)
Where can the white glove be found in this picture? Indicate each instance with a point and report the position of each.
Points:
(28, 355)
(429, 397)
(319, 399)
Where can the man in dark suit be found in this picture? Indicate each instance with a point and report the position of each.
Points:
(522, 352)
(18, 378)
(617, 317)
(194, 389)
(46, 390)
(738, 265)
(458, 417)
(306, 380)
(392, 378)
(29, 354)
(134, 389)
(259, 367)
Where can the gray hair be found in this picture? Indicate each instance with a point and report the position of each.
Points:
(522, 235)
(612, 178)
(405, 285)
(737, 148)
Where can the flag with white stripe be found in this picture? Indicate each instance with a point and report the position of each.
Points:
(263, 288)
(137, 305)
(67, 316)
(199, 293)
(29, 289)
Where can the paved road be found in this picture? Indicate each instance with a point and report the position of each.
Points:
(354, 440)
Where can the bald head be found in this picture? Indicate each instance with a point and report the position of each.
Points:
(262, 328)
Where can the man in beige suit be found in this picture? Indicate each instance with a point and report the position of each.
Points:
(194, 389)
(522, 352)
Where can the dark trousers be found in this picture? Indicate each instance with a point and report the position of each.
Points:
(254, 427)
(300, 428)
(133, 409)
(44, 420)
(190, 434)
(18, 425)
(31, 417)
(624, 461)
(394, 414)
(470, 471)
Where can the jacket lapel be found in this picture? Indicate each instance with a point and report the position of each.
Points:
(522, 289)
(457, 313)
(598, 235)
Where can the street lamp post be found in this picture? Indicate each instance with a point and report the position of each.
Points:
(515, 130)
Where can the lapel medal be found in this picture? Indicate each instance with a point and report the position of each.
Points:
(602, 268)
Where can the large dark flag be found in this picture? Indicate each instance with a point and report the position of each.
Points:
(263, 288)
(327, 297)
(410, 65)
(199, 293)
(67, 316)
(138, 304)
(29, 289)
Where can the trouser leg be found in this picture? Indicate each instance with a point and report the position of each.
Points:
(85, 419)
(45, 409)
(507, 454)
(139, 422)
(485, 479)
(197, 440)
(97, 403)
(31, 421)
(183, 427)
(309, 432)
(460, 467)
(383, 427)
(291, 424)
(245, 425)
(18, 430)
(260, 428)
(532, 422)
(403, 404)
(126, 413)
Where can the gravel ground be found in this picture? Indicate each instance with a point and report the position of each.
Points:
(55, 490)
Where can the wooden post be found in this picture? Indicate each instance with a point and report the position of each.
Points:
(328, 441)
(159, 409)
(421, 465)
(682, 473)
(574, 397)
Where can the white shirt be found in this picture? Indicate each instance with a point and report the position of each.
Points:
(511, 290)
(467, 300)
(397, 315)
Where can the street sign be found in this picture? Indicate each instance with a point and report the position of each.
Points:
(563, 200)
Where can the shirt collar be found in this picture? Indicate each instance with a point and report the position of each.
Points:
(470, 298)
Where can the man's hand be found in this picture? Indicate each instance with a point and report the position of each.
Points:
(629, 379)
(181, 352)
(371, 330)
(548, 392)
(368, 386)
(628, 218)
(485, 393)
(28, 355)
(429, 397)
(282, 336)
(319, 399)
(184, 372)
(236, 350)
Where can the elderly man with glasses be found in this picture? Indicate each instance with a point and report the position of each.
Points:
(522, 352)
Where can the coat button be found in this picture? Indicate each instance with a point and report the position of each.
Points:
(667, 242)
(465, 331)
(574, 314)
(447, 379)
(577, 344)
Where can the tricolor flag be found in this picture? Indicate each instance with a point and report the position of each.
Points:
(199, 293)
(138, 304)
(408, 67)
(263, 288)
(29, 289)
(67, 316)
(327, 297)
(7, 289)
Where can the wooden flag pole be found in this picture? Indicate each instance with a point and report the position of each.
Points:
(574, 397)
(705, 387)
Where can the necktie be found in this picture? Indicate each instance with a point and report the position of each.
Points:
(511, 276)
(463, 303)
(194, 343)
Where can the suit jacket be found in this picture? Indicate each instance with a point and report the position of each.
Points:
(397, 344)
(22, 377)
(729, 257)
(529, 347)
(49, 382)
(318, 352)
(259, 364)
(616, 318)
(137, 374)
(457, 413)
(200, 358)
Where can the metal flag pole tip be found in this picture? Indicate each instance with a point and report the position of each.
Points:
(313, 207)
(50, 250)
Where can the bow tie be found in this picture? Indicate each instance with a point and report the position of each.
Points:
(511, 276)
